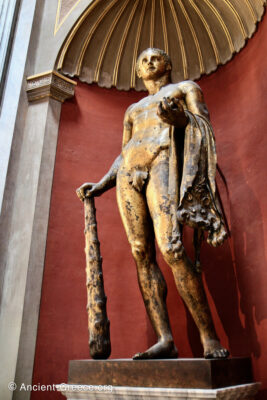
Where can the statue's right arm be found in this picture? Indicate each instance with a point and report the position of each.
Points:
(109, 180)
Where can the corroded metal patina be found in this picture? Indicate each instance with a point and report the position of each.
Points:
(165, 178)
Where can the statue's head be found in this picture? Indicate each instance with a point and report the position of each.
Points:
(152, 64)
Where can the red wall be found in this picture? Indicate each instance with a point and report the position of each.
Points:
(235, 275)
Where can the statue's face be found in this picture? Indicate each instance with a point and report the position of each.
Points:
(152, 65)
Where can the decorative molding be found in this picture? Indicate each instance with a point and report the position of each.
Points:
(199, 35)
(50, 84)
(64, 9)
(104, 392)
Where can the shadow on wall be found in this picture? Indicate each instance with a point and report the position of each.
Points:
(220, 277)
(248, 257)
(234, 278)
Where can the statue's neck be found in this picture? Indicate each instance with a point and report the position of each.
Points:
(153, 86)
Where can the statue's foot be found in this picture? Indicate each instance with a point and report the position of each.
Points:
(160, 350)
(214, 349)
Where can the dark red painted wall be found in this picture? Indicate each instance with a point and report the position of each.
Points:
(235, 275)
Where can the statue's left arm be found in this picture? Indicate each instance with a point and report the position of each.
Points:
(198, 203)
(194, 99)
(171, 109)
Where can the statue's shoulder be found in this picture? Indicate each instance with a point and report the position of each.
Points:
(129, 110)
(181, 89)
(188, 86)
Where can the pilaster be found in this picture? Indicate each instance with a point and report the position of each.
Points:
(24, 225)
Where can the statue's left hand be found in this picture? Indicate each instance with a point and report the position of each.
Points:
(171, 111)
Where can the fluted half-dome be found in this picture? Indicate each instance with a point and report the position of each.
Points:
(199, 35)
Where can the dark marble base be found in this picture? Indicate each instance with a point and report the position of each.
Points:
(178, 373)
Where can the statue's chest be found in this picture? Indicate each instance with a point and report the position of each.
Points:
(148, 107)
(145, 111)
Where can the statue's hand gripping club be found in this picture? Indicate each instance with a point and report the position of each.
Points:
(88, 190)
(171, 111)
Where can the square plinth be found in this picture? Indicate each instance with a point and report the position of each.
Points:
(178, 373)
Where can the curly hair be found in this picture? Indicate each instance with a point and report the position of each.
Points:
(162, 53)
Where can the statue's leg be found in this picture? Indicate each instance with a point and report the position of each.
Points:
(138, 226)
(188, 280)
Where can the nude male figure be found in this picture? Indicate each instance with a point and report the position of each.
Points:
(141, 176)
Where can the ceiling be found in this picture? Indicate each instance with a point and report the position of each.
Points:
(199, 35)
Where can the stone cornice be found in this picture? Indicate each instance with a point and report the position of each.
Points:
(50, 84)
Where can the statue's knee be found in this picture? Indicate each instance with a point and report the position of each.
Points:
(168, 254)
(172, 252)
(139, 250)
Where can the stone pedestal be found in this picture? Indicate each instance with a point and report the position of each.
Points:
(239, 392)
(164, 379)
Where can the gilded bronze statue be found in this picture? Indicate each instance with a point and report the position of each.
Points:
(165, 178)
